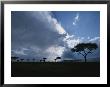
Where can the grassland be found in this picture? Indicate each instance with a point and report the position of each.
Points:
(52, 69)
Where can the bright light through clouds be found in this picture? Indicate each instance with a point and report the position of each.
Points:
(54, 51)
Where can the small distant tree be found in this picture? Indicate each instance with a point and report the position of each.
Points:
(27, 60)
(44, 59)
(84, 49)
(17, 60)
(33, 60)
(14, 58)
(40, 60)
(22, 60)
(57, 58)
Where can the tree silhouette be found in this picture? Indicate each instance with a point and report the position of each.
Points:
(17, 60)
(33, 60)
(22, 60)
(44, 59)
(40, 60)
(84, 48)
(57, 58)
(14, 58)
(27, 60)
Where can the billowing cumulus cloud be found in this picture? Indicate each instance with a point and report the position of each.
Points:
(71, 41)
(31, 29)
(38, 34)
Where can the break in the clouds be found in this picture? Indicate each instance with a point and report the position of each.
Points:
(38, 34)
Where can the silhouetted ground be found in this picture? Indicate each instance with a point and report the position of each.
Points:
(58, 69)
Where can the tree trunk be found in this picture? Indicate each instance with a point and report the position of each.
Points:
(85, 58)
(44, 60)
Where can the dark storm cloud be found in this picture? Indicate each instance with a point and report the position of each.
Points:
(34, 32)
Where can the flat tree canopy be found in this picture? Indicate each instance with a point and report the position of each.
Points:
(84, 48)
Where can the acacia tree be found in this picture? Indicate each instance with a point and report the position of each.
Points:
(84, 49)
(21, 60)
(27, 60)
(14, 58)
(57, 58)
(33, 60)
(44, 59)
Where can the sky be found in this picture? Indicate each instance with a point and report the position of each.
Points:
(38, 34)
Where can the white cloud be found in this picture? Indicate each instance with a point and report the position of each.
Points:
(94, 39)
(18, 52)
(76, 19)
(82, 38)
(88, 38)
(35, 49)
(54, 51)
(71, 40)
(77, 16)
(45, 15)
(72, 43)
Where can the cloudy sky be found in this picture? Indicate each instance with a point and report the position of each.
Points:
(38, 34)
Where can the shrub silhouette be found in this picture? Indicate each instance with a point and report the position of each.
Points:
(84, 48)
(40, 60)
(27, 60)
(33, 60)
(21, 60)
(44, 59)
(17, 60)
(57, 58)
(14, 58)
